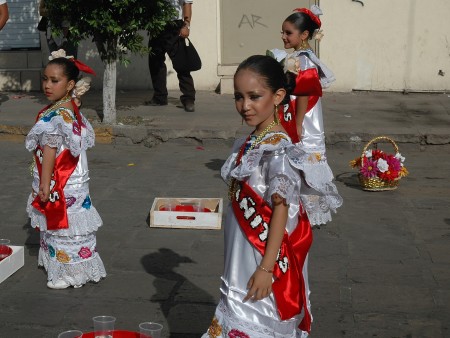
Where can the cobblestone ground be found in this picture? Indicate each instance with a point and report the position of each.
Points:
(380, 269)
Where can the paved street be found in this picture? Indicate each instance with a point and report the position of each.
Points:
(380, 269)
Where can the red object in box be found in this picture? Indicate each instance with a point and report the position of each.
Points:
(5, 251)
(116, 334)
(186, 208)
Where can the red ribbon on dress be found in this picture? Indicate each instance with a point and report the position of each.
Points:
(253, 215)
(55, 210)
(81, 66)
(307, 84)
(313, 17)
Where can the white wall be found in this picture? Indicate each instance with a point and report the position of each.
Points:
(387, 45)
(204, 32)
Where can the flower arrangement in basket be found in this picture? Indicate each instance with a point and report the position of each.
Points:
(379, 170)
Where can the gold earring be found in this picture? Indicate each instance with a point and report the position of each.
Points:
(304, 45)
(275, 115)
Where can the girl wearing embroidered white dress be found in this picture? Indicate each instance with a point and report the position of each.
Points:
(302, 116)
(60, 204)
(267, 232)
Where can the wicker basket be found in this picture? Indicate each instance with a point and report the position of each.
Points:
(375, 183)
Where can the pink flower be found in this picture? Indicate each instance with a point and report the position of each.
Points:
(394, 163)
(237, 334)
(369, 169)
(84, 252)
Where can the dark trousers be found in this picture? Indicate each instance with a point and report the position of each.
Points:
(160, 45)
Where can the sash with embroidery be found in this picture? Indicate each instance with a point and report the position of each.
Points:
(55, 209)
(308, 84)
(253, 215)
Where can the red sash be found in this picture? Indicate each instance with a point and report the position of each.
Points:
(307, 84)
(55, 210)
(253, 215)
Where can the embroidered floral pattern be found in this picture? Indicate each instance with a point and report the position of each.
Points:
(48, 117)
(273, 140)
(85, 252)
(44, 245)
(70, 201)
(237, 334)
(215, 329)
(76, 128)
(66, 116)
(87, 203)
(62, 256)
(51, 251)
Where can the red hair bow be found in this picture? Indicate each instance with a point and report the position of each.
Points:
(313, 17)
(82, 67)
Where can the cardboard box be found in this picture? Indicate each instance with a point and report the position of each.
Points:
(12, 263)
(186, 213)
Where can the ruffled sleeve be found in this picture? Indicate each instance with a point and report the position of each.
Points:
(59, 128)
(229, 164)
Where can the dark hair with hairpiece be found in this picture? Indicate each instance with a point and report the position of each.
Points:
(271, 71)
(303, 22)
(69, 68)
(266, 67)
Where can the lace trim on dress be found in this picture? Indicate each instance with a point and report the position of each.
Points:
(91, 270)
(229, 322)
(80, 223)
(272, 142)
(63, 123)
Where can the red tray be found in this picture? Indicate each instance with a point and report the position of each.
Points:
(116, 334)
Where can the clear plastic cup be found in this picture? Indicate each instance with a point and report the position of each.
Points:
(104, 326)
(70, 334)
(150, 330)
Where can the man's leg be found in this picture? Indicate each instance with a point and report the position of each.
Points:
(158, 70)
(187, 88)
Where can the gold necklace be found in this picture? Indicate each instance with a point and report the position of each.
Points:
(58, 103)
(232, 188)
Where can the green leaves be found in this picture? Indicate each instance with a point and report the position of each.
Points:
(114, 25)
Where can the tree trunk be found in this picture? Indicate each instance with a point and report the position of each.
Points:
(109, 92)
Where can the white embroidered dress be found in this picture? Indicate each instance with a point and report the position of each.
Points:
(318, 174)
(67, 254)
(272, 167)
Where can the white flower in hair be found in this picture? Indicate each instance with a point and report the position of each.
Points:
(82, 86)
(292, 64)
(316, 10)
(318, 34)
(60, 53)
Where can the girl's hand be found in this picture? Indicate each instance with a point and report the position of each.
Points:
(44, 192)
(259, 285)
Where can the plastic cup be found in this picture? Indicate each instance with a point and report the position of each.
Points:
(104, 326)
(150, 330)
(70, 334)
(5, 250)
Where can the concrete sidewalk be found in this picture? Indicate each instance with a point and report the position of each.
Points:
(357, 116)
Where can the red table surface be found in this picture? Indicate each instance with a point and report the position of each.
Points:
(116, 334)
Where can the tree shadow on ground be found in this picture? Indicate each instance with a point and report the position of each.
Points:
(185, 306)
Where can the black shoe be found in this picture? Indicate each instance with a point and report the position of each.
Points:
(189, 106)
(155, 102)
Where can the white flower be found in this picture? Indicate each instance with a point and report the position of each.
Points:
(60, 53)
(382, 165)
(318, 34)
(82, 86)
(399, 157)
(292, 64)
(368, 153)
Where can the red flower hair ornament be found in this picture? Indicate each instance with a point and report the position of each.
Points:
(313, 13)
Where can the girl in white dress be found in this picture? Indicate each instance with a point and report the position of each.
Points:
(302, 116)
(60, 206)
(267, 232)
